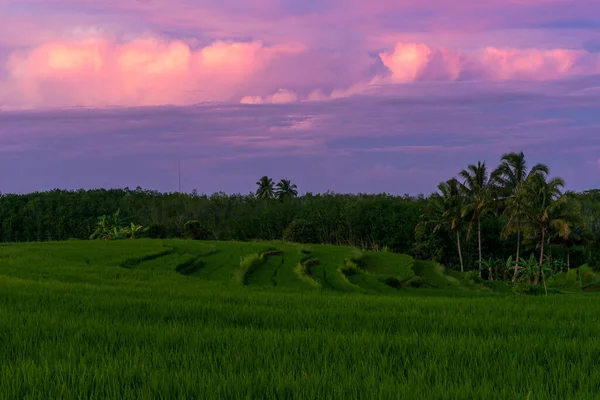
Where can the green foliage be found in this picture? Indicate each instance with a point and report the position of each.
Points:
(350, 267)
(511, 208)
(195, 230)
(525, 288)
(286, 190)
(248, 265)
(265, 189)
(366, 221)
(74, 324)
(156, 231)
(114, 228)
(300, 231)
(132, 262)
(577, 279)
(302, 270)
(190, 266)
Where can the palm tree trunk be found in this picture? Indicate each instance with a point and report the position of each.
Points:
(517, 260)
(462, 269)
(541, 259)
(479, 242)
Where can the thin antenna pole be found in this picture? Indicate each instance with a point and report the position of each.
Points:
(179, 173)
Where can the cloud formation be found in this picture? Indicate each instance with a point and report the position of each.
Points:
(346, 94)
(395, 144)
(97, 71)
(282, 96)
(85, 53)
(148, 71)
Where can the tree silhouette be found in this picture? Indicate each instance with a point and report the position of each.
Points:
(285, 189)
(510, 178)
(479, 197)
(265, 188)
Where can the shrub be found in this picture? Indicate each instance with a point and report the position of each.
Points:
(300, 231)
(195, 230)
(155, 231)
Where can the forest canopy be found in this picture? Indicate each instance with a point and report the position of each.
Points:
(478, 216)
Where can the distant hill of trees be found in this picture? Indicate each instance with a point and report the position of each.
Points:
(471, 220)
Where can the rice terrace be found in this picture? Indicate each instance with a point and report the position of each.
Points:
(300, 199)
(273, 319)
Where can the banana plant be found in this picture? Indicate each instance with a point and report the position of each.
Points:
(558, 265)
(103, 230)
(111, 227)
(117, 233)
(133, 231)
(509, 265)
(529, 268)
(489, 264)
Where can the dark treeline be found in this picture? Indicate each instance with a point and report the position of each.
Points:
(376, 222)
(367, 221)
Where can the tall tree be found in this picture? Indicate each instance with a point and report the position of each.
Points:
(479, 197)
(546, 205)
(444, 211)
(569, 232)
(266, 188)
(285, 189)
(509, 178)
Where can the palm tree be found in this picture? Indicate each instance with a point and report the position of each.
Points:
(509, 178)
(265, 188)
(445, 211)
(479, 197)
(546, 205)
(570, 232)
(285, 189)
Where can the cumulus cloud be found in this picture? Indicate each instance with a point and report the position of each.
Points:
(148, 71)
(93, 70)
(417, 62)
(532, 64)
(409, 62)
(406, 61)
(281, 96)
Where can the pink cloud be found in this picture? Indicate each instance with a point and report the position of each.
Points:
(412, 62)
(94, 70)
(97, 71)
(418, 62)
(533, 64)
(409, 62)
(406, 61)
(281, 96)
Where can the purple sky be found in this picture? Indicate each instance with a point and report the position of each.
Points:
(345, 95)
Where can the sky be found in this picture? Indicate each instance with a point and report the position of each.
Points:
(344, 95)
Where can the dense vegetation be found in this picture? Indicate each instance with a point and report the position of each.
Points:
(175, 319)
(494, 216)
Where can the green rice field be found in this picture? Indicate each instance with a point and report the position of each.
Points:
(172, 319)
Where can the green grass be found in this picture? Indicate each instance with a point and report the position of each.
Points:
(76, 323)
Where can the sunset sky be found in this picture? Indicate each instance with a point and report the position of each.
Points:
(345, 95)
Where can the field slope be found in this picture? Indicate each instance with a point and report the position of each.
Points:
(179, 319)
